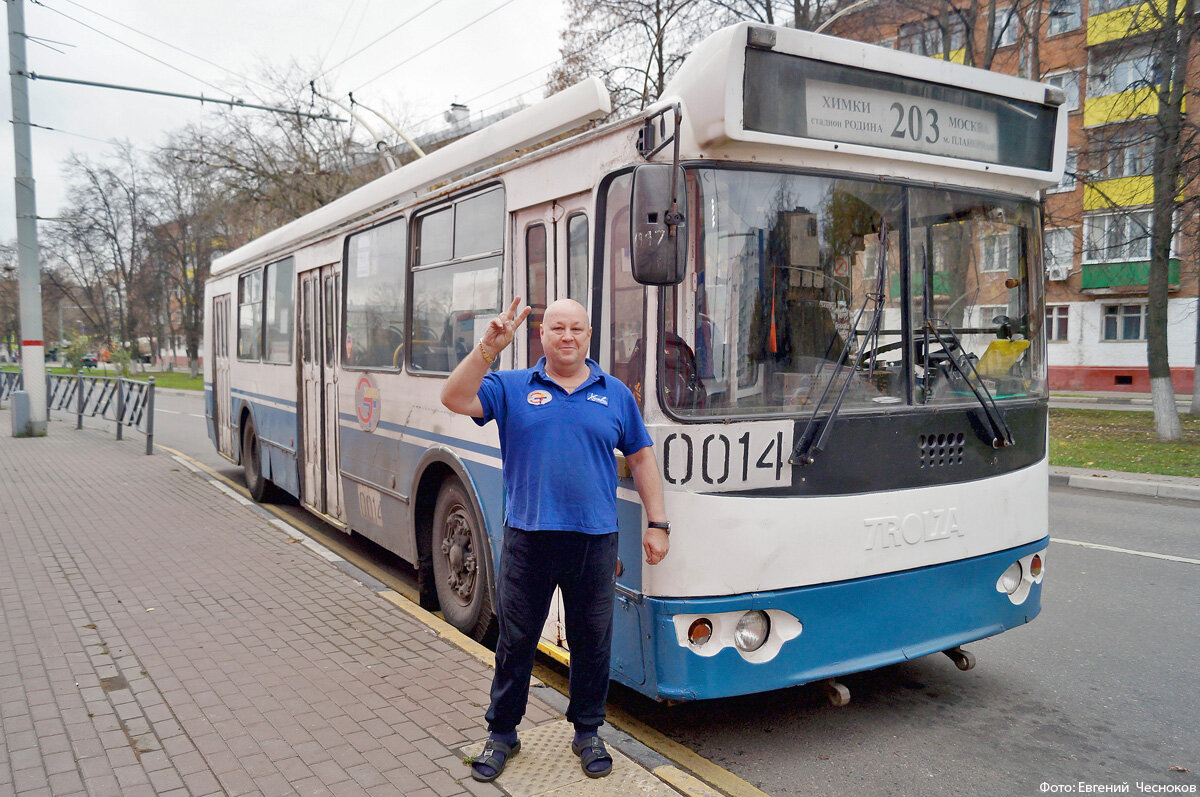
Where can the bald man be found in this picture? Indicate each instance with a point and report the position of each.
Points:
(560, 422)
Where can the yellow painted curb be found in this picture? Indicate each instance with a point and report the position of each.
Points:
(684, 782)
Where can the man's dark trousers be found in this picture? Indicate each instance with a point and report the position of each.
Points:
(532, 564)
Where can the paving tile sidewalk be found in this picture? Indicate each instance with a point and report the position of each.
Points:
(159, 638)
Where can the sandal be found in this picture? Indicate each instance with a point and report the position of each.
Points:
(592, 751)
(495, 756)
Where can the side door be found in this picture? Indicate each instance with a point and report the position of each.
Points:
(221, 399)
(312, 393)
(331, 305)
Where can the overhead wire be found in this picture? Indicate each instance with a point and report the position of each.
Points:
(365, 47)
(160, 41)
(336, 33)
(131, 47)
(396, 66)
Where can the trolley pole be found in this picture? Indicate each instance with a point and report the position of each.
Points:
(33, 349)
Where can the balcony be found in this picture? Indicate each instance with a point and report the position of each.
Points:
(1110, 277)
(1124, 23)
(1120, 107)
(1119, 192)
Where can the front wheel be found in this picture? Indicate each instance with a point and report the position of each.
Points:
(459, 571)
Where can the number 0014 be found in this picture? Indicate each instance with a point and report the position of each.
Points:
(723, 459)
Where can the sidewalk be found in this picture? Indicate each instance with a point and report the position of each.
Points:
(159, 637)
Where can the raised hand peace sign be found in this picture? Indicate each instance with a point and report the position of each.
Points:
(500, 330)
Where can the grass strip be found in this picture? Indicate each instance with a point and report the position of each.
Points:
(176, 380)
(1122, 441)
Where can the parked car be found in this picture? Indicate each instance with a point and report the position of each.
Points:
(89, 360)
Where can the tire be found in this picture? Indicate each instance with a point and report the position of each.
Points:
(459, 569)
(261, 489)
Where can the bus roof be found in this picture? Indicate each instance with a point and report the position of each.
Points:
(584, 102)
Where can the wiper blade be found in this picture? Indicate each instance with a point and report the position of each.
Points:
(1000, 433)
(806, 446)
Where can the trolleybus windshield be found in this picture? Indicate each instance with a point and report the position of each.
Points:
(783, 262)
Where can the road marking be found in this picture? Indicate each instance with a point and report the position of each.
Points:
(1147, 554)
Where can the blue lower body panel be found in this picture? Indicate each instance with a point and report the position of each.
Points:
(848, 627)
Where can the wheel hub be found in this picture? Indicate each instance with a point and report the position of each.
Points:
(456, 547)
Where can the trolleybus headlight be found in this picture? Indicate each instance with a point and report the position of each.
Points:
(699, 632)
(1035, 565)
(1011, 580)
(752, 631)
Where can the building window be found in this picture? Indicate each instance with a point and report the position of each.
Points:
(1059, 253)
(996, 251)
(1065, 15)
(1124, 322)
(1126, 154)
(1067, 183)
(1005, 25)
(927, 37)
(1057, 327)
(1118, 237)
(1111, 76)
(1069, 83)
(1101, 6)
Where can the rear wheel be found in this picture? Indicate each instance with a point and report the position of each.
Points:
(260, 488)
(459, 572)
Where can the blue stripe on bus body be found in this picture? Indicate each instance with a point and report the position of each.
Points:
(848, 627)
(262, 397)
(456, 442)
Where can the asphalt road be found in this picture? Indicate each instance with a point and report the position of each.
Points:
(1101, 689)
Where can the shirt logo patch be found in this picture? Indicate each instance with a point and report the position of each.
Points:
(539, 397)
(598, 398)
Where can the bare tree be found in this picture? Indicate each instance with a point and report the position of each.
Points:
(275, 167)
(635, 46)
(95, 253)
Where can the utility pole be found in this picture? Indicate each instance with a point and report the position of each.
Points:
(33, 349)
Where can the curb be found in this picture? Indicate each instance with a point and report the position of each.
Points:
(1130, 486)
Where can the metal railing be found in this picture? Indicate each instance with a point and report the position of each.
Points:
(125, 402)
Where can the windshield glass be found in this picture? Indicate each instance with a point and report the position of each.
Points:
(971, 258)
(795, 289)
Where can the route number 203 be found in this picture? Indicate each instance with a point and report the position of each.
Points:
(915, 122)
(725, 459)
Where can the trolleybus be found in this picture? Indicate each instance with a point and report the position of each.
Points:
(818, 265)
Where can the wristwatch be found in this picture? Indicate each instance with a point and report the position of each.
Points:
(665, 525)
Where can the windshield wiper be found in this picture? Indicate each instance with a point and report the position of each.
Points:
(998, 430)
(806, 446)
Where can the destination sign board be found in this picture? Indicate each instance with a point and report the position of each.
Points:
(804, 98)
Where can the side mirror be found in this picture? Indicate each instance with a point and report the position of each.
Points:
(658, 242)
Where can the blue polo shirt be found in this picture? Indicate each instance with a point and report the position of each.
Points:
(560, 471)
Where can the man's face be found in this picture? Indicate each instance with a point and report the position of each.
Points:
(565, 336)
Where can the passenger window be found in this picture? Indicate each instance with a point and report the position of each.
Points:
(456, 297)
(277, 327)
(577, 259)
(535, 281)
(249, 344)
(375, 307)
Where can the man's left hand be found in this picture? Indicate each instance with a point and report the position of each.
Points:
(655, 543)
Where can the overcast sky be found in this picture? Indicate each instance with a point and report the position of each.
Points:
(491, 64)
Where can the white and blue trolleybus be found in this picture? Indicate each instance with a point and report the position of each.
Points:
(817, 264)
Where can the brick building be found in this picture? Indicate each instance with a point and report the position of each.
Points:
(1104, 55)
